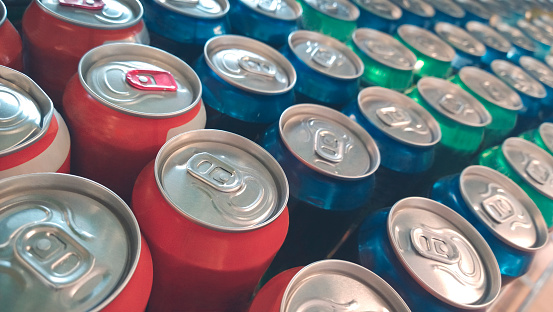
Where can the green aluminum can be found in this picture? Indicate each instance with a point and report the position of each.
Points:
(335, 18)
(542, 136)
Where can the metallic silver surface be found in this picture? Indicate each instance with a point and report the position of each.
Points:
(383, 8)
(288, 10)
(339, 9)
(514, 35)
(384, 49)
(460, 39)
(488, 36)
(448, 7)
(546, 133)
(537, 70)
(534, 32)
(201, 9)
(417, 7)
(426, 42)
(518, 79)
(475, 8)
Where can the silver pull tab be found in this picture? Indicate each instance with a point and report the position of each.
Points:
(268, 5)
(394, 116)
(499, 208)
(434, 245)
(214, 172)
(452, 104)
(329, 146)
(323, 56)
(257, 66)
(493, 91)
(538, 172)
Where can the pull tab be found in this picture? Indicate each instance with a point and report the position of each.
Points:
(435, 246)
(451, 104)
(323, 56)
(499, 208)
(187, 2)
(257, 66)
(538, 172)
(151, 80)
(83, 4)
(394, 116)
(214, 172)
(268, 5)
(329, 146)
(493, 91)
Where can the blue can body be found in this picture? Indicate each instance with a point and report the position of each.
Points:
(517, 52)
(415, 19)
(492, 55)
(444, 17)
(463, 59)
(374, 21)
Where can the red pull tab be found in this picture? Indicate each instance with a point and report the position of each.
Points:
(84, 4)
(151, 80)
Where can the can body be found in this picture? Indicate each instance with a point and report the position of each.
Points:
(337, 20)
(269, 298)
(381, 15)
(11, 51)
(416, 12)
(536, 136)
(497, 46)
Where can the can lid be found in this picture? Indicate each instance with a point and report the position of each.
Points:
(288, 10)
(518, 79)
(448, 7)
(221, 181)
(201, 9)
(139, 80)
(68, 243)
(515, 36)
(488, 36)
(100, 14)
(417, 7)
(339, 9)
(249, 64)
(384, 49)
(546, 133)
(544, 22)
(460, 39)
(504, 208)
(537, 70)
(491, 88)
(336, 285)
(534, 32)
(328, 142)
(497, 8)
(453, 102)
(475, 8)
(399, 117)
(530, 162)
(383, 8)
(426, 42)
(325, 55)
(444, 253)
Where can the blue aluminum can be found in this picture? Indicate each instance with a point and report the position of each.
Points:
(468, 50)
(501, 9)
(497, 46)
(182, 27)
(474, 11)
(269, 21)
(447, 11)
(320, 60)
(542, 40)
(415, 12)
(501, 211)
(381, 15)
(433, 257)
(246, 84)
(521, 44)
(542, 73)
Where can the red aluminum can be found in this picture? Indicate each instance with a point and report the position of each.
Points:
(57, 34)
(33, 136)
(11, 47)
(212, 207)
(70, 244)
(124, 103)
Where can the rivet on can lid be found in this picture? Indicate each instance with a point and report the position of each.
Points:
(384, 49)
(426, 42)
(339, 9)
(460, 39)
(488, 36)
(518, 79)
(383, 8)
(490, 88)
(537, 70)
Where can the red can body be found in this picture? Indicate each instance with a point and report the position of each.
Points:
(269, 298)
(11, 47)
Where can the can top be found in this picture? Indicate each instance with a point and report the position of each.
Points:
(338, 9)
(537, 70)
(475, 8)
(70, 244)
(426, 42)
(325, 54)
(453, 102)
(417, 7)
(384, 49)
(503, 207)
(328, 142)
(336, 285)
(544, 22)
(518, 79)
(444, 253)
(399, 117)
(221, 181)
(546, 133)
(3, 13)
(139, 80)
(530, 162)
(460, 39)
(25, 111)
(488, 36)
(383, 8)
(498, 8)
(249, 64)
(491, 88)
(448, 7)
(288, 10)
(515, 36)
(534, 32)
(201, 9)
(100, 14)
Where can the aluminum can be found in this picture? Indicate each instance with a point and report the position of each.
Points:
(381, 15)
(542, 40)
(527, 165)
(388, 63)
(11, 49)
(501, 211)
(246, 84)
(415, 12)
(222, 200)
(335, 18)
(502, 102)
(542, 136)
(321, 60)
(501, 9)
(542, 73)
(183, 27)
(33, 135)
(474, 11)
(57, 34)
(327, 285)
(447, 11)
(124, 103)
(70, 244)
(497, 46)
(433, 257)
(521, 44)
(434, 56)
(269, 21)
(468, 50)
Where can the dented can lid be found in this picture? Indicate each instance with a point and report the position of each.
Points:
(444, 253)
(288, 10)
(383, 8)
(515, 36)
(202, 9)
(336, 285)
(546, 134)
(518, 79)
(399, 117)
(338, 9)
(537, 70)
(417, 7)
(426, 42)
(328, 142)
(488, 36)
(139, 80)
(460, 39)
(453, 102)
(325, 55)
(384, 49)
(221, 181)
(70, 244)
(100, 14)
(249, 65)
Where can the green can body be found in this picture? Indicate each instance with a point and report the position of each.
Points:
(339, 27)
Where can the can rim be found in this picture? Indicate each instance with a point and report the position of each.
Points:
(225, 4)
(305, 35)
(509, 32)
(499, 65)
(406, 31)
(395, 11)
(223, 137)
(3, 13)
(528, 29)
(428, 9)
(459, 11)
(441, 27)
(526, 61)
(354, 10)
(134, 49)
(542, 129)
(294, 5)
(468, 6)
(473, 26)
